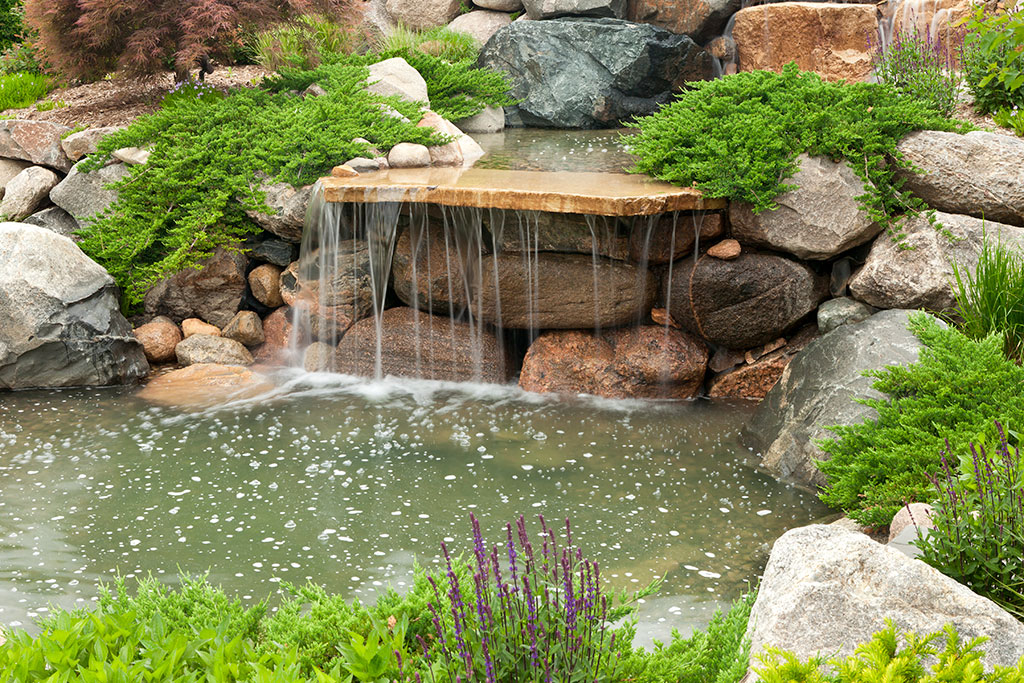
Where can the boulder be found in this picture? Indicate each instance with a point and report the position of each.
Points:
(441, 155)
(827, 589)
(318, 357)
(133, 156)
(245, 328)
(821, 388)
(204, 385)
(265, 283)
(332, 303)
(60, 319)
(591, 73)
(158, 338)
(745, 302)
(271, 250)
(26, 192)
(56, 219)
(702, 20)
(481, 24)
(206, 348)
(665, 238)
(212, 292)
(916, 272)
(567, 233)
(10, 168)
(552, 9)
(78, 145)
(409, 155)
(831, 39)
(35, 141)
(490, 120)
(648, 361)
(83, 195)
(191, 326)
(841, 311)
(277, 334)
(427, 272)
(417, 344)
(289, 209)
(979, 174)
(501, 5)
(562, 291)
(816, 221)
(396, 77)
(761, 371)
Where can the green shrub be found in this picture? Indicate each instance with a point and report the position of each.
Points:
(978, 537)
(991, 299)
(190, 198)
(304, 43)
(957, 390)
(11, 13)
(920, 68)
(883, 660)
(993, 63)
(22, 90)
(449, 45)
(738, 137)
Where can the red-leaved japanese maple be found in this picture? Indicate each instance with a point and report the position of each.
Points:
(87, 39)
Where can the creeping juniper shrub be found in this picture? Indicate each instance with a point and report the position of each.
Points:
(921, 67)
(208, 154)
(956, 390)
(738, 137)
(978, 515)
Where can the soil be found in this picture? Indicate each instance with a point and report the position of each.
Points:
(119, 100)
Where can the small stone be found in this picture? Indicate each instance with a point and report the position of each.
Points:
(409, 155)
(191, 326)
(133, 156)
(662, 317)
(265, 283)
(207, 348)
(57, 220)
(841, 311)
(344, 171)
(396, 77)
(314, 90)
(726, 250)
(382, 163)
(273, 250)
(245, 328)
(318, 357)
(915, 514)
(362, 165)
(158, 338)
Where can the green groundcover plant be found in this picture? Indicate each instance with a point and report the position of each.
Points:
(22, 89)
(891, 657)
(738, 137)
(957, 390)
(194, 633)
(990, 300)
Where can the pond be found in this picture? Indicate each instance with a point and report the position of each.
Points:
(347, 482)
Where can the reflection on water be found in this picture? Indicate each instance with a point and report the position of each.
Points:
(345, 483)
(543, 149)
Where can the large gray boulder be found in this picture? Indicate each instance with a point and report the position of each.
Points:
(26, 192)
(980, 173)
(916, 272)
(60, 323)
(816, 221)
(552, 9)
(819, 389)
(397, 77)
(35, 141)
(745, 302)
(591, 73)
(56, 219)
(288, 209)
(213, 292)
(826, 589)
(83, 195)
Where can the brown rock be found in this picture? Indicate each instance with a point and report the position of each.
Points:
(726, 250)
(662, 317)
(191, 326)
(35, 141)
(158, 338)
(745, 302)
(565, 233)
(212, 293)
(331, 305)
(318, 357)
(440, 286)
(417, 344)
(265, 283)
(344, 171)
(667, 237)
(206, 348)
(277, 333)
(755, 380)
(914, 514)
(699, 19)
(633, 362)
(245, 328)
(441, 155)
(562, 291)
(422, 14)
(204, 385)
(831, 39)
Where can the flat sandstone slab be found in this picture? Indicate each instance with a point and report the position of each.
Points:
(599, 194)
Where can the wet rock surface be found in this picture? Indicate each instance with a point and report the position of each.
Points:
(439, 285)
(335, 302)
(204, 385)
(756, 377)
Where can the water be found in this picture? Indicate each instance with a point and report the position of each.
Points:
(542, 149)
(345, 482)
